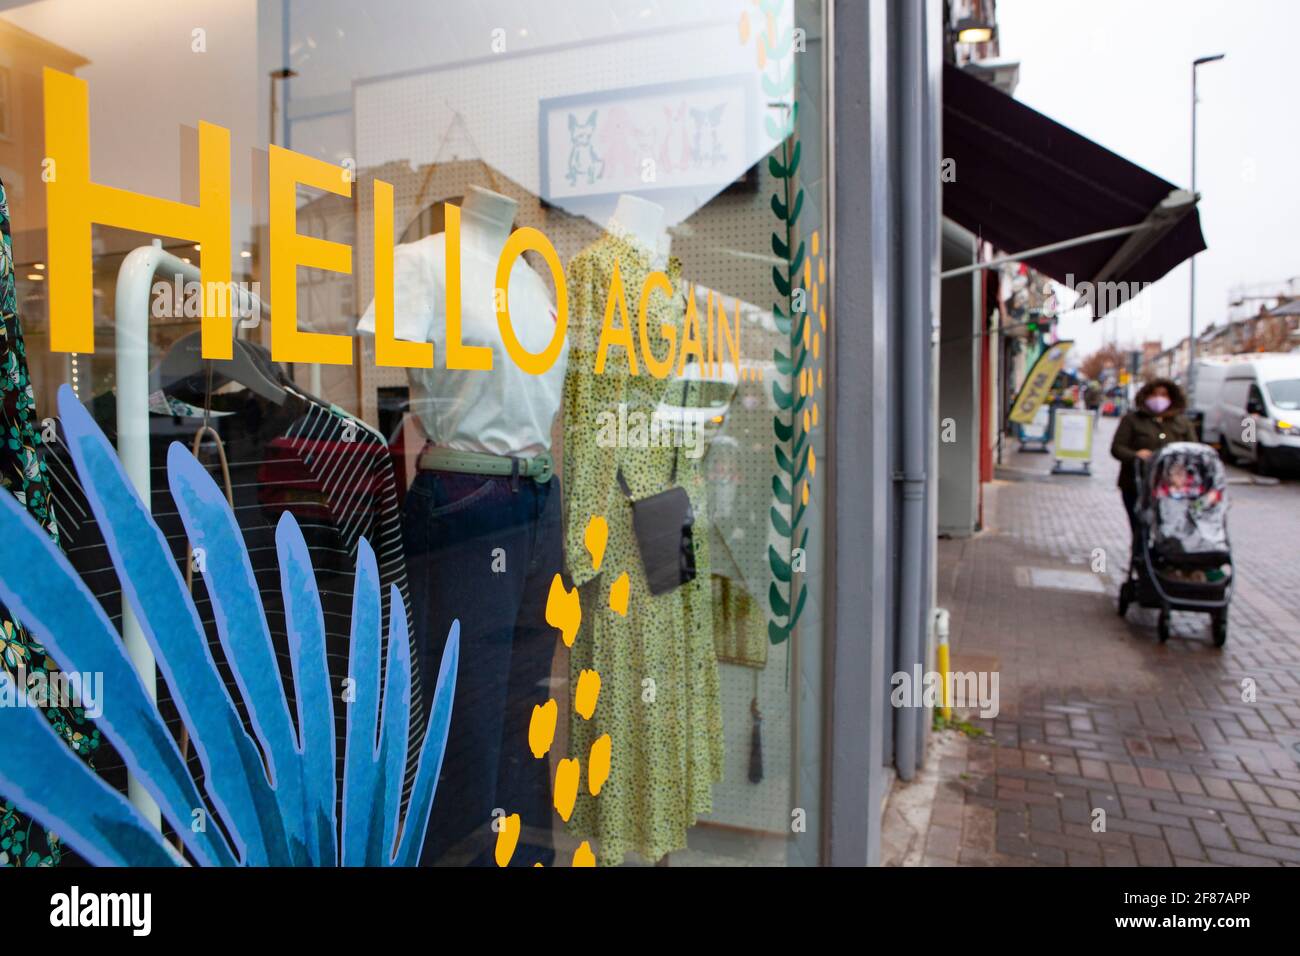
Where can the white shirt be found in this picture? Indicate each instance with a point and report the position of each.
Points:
(505, 411)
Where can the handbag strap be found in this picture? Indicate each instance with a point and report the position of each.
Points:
(627, 492)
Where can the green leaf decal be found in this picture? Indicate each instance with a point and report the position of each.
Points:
(798, 606)
(783, 460)
(779, 489)
(793, 165)
(781, 282)
(780, 567)
(780, 607)
(798, 205)
(780, 524)
(776, 633)
(797, 262)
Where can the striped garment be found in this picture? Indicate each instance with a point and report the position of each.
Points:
(329, 470)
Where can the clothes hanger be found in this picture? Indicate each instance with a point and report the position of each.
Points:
(183, 367)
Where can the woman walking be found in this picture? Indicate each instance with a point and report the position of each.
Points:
(1156, 420)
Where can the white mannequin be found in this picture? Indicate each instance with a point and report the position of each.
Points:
(660, 260)
(504, 411)
(641, 222)
(486, 218)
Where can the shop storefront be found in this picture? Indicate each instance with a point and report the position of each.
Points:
(527, 379)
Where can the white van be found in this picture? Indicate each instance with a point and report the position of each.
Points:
(1203, 407)
(1257, 417)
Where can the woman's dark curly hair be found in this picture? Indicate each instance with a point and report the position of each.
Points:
(1177, 400)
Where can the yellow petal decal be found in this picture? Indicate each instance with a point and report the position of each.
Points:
(563, 610)
(584, 698)
(598, 766)
(594, 538)
(541, 729)
(583, 856)
(566, 788)
(618, 594)
(507, 839)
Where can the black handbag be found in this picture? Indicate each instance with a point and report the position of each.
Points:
(663, 524)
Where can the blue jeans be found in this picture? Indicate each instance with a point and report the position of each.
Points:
(484, 550)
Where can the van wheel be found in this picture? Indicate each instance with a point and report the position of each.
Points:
(1220, 627)
(1263, 464)
(1162, 628)
(1225, 451)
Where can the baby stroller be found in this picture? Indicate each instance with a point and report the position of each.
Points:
(1181, 558)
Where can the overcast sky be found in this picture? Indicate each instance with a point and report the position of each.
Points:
(1119, 72)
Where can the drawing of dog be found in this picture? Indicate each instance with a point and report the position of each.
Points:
(583, 158)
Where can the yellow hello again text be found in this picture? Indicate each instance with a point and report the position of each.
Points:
(75, 203)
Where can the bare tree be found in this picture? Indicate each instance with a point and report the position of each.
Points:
(1108, 356)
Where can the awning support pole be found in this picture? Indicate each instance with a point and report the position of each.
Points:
(1043, 250)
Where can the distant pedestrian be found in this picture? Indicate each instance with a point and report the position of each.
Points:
(1156, 420)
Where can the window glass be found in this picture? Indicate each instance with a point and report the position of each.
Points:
(554, 351)
(1285, 393)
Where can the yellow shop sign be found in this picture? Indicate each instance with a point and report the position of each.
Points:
(75, 203)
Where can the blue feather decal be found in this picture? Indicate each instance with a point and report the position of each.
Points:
(287, 819)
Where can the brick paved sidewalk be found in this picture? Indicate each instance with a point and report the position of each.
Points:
(1095, 713)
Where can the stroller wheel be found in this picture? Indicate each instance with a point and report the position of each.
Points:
(1220, 627)
(1125, 597)
(1162, 628)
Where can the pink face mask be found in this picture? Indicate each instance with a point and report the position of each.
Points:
(1157, 404)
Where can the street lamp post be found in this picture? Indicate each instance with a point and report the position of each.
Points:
(1191, 307)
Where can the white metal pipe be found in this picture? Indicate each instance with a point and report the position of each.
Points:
(134, 289)
(1043, 250)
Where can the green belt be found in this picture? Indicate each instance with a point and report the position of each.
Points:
(434, 458)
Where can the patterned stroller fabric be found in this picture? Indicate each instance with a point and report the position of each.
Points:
(1186, 505)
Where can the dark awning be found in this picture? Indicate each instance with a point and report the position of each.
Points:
(1024, 181)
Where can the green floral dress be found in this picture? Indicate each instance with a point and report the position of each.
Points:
(659, 691)
(22, 472)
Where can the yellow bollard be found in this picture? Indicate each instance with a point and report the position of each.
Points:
(941, 655)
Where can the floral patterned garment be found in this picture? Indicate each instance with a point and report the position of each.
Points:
(22, 472)
(659, 691)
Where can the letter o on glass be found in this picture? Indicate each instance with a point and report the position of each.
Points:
(520, 241)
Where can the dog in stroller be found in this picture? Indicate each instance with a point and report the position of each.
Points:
(1181, 558)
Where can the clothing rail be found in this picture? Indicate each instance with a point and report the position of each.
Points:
(135, 281)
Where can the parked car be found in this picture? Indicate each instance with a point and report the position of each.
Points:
(1257, 416)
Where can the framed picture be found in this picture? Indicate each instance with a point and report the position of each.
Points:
(675, 136)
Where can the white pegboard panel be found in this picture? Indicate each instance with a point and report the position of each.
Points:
(433, 135)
